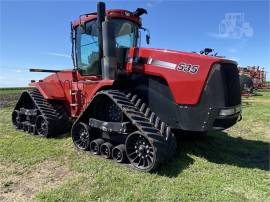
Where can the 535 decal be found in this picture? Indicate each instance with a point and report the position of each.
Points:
(189, 68)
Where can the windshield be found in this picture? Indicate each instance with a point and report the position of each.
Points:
(87, 43)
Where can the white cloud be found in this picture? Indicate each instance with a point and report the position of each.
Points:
(59, 54)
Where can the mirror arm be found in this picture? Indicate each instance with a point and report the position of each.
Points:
(147, 35)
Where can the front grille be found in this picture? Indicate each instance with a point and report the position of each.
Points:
(222, 88)
(231, 84)
(221, 91)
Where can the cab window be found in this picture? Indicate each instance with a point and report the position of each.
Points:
(87, 51)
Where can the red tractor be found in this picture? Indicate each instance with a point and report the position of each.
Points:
(128, 102)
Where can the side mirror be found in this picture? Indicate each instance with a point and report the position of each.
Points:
(147, 39)
(147, 36)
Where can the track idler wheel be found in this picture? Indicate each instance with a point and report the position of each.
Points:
(95, 146)
(31, 129)
(25, 126)
(16, 120)
(119, 153)
(106, 150)
(81, 136)
(42, 126)
(141, 153)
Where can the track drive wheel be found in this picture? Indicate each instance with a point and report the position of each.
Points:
(81, 136)
(95, 146)
(42, 126)
(141, 152)
(119, 153)
(16, 120)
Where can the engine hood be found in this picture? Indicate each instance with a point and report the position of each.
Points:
(177, 57)
(185, 73)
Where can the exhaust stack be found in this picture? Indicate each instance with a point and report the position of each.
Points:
(101, 12)
(107, 45)
(109, 61)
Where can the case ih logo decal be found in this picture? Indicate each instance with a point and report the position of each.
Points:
(189, 68)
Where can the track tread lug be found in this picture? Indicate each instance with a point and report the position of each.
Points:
(143, 106)
(147, 112)
(139, 101)
(152, 117)
(157, 122)
(134, 98)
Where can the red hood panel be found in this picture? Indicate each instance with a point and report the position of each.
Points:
(185, 86)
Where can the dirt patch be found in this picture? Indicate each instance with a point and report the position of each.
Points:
(21, 184)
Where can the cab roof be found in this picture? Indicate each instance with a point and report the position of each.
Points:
(114, 13)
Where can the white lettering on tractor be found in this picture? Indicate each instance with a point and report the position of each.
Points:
(188, 68)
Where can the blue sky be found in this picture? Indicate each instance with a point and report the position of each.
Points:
(36, 34)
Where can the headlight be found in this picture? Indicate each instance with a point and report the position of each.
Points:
(230, 111)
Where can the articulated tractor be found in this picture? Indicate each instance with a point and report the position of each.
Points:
(126, 102)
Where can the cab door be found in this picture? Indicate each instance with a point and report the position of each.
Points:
(88, 71)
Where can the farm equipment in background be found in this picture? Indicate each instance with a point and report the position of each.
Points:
(252, 78)
(127, 102)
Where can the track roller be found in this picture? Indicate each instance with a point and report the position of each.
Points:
(106, 150)
(81, 136)
(95, 146)
(42, 126)
(119, 153)
(25, 126)
(29, 128)
(32, 128)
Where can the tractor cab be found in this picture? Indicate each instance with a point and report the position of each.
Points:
(89, 42)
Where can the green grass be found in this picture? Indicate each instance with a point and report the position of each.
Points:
(224, 166)
(12, 90)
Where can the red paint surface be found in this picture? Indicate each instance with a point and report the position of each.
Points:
(60, 86)
(185, 87)
(115, 13)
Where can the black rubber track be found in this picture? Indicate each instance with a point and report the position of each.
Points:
(57, 119)
(146, 122)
